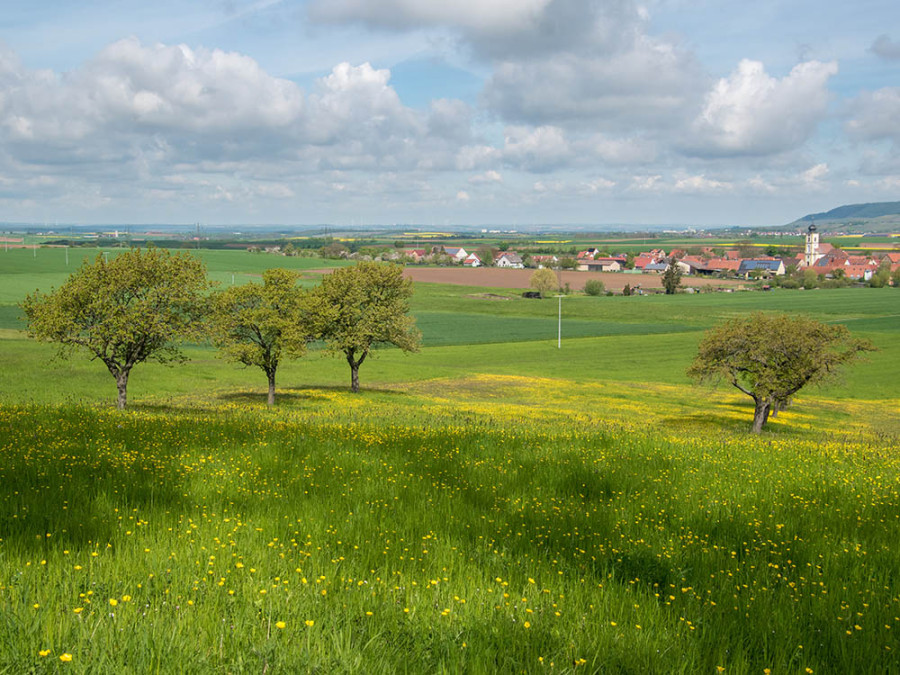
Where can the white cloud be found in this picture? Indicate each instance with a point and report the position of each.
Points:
(540, 148)
(462, 196)
(619, 150)
(876, 114)
(752, 113)
(814, 176)
(700, 184)
(650, 183)
(486, 178)
(647, 84)
(136, 115)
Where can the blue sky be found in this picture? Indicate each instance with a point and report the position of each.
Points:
(249, 112)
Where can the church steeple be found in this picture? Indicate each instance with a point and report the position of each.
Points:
(812, 246)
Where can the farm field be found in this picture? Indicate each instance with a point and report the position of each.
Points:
(492, 277)
(490, 504)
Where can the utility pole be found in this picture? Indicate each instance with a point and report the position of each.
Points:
(559, 323)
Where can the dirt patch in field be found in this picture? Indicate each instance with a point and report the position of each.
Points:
(492, 277)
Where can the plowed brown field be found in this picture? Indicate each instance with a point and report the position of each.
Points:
(492, 277)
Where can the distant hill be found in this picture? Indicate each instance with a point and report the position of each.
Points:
(871, 217)
(872, 210)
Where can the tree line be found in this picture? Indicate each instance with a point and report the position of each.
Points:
(140, 305)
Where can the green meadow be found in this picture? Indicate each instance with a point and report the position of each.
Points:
(494, 503)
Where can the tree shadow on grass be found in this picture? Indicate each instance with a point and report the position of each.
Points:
(74, 482)
(304, 394)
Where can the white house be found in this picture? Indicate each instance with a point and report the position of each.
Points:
(458, 254)
(509, 259)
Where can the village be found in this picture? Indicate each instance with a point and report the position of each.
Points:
(824, 259)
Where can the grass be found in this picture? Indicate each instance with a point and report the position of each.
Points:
(491, 504)
(403, 531)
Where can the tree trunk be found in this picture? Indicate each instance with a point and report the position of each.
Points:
(354, 369)
(760, 414)
(122, 386)
(354, 376)
(271, 375)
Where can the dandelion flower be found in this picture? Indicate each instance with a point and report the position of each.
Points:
(310, 623)
(65, 658)
(44, 652)
(280, 624)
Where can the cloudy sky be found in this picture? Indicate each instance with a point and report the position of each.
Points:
(468, 112)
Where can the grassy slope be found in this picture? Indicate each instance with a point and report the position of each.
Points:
(659, 538)
(442, 530)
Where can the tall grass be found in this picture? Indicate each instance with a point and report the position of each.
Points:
(388, 536)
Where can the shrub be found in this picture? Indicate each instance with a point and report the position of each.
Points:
(593, 287)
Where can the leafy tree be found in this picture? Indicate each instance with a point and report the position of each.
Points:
(882, 276)
(358, 307)
(260, 324)
(593, 287)
(486, 255)
(809, 278)
(124, 311)
(671, 278)
(568, 263)
(770, 357)
(627, 290)
(334, 250)
(895, 278)
(544, 281)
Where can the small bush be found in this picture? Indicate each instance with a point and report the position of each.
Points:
(593, 287)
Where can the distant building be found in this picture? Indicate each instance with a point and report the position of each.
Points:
(458, 254)
(770, 267)
(812, 246)
(509, 259)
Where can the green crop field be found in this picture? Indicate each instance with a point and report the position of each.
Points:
(492, 503)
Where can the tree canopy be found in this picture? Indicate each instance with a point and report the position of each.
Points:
(123, 311)
(260, 324)
(770, 357)
(671, 278)
(544, 281)
(356, 308)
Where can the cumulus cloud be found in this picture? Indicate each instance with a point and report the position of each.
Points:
(812, 180)
(886, 48)
(619, 151)
(559, 62)
(753, 113)
(494, 28)
(648, 84)
(486, 178)
(537, 149)
(148, 88)
(137, 116)
(700, 184)
(875, 115)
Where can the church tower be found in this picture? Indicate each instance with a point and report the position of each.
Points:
(812, 246)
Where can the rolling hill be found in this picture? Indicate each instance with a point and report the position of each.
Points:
(869, 217)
